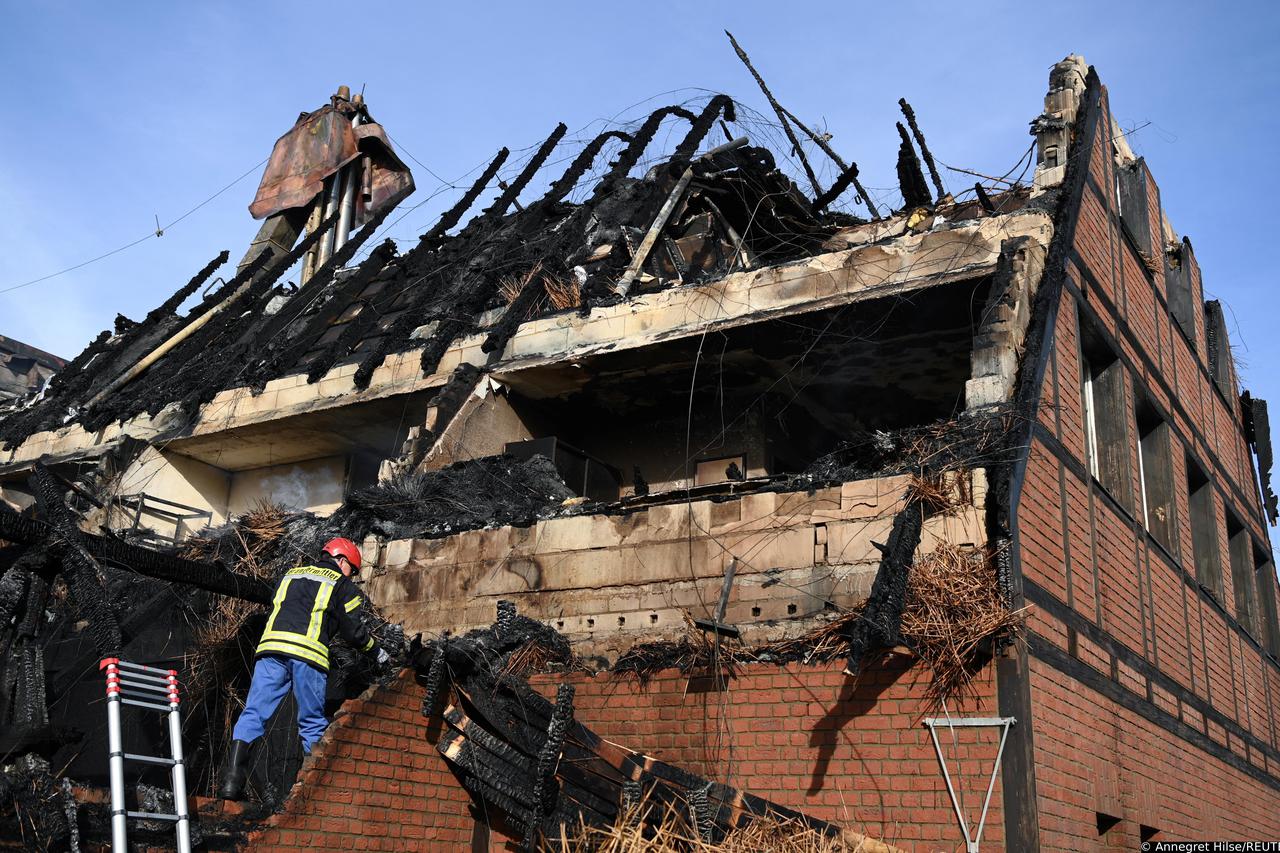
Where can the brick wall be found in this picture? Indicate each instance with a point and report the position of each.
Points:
(1150, 702)
(805, 737)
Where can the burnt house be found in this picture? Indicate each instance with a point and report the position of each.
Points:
(724, 463)
(24, 369)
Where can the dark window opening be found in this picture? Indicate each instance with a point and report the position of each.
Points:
(1204, 529)
(1106, 418)
(1148, 833)
(362, 471)
(1156, 474)
(1240, 554)
(1131, 195)
(585, 475)
(1106, 822)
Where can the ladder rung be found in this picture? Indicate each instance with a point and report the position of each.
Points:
(154, 816)
(140, 667)
(149, 689)
(150, 759)
(151, 705)
(136, 677)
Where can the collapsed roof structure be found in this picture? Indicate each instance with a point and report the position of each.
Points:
(685, 416)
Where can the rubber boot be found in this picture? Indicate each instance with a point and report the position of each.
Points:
(236, 772)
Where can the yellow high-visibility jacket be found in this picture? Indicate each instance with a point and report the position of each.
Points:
(311, 604)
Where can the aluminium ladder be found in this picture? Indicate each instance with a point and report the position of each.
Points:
(152, 689)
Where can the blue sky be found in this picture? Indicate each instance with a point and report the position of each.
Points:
(129, 112)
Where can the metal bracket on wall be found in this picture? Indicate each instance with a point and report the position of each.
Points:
(1002, 723)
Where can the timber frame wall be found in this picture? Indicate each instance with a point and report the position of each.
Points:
(1154, 705)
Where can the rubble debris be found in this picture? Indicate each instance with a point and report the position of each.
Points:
(491, 491)
(499, 735)
(33, 809)
(670, 831)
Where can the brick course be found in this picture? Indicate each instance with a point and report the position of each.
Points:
(1107, 735)
(804, 737)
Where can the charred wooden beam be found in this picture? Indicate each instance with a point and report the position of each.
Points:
(985, 200)
(880, 624)
(632, 153)
(777, 108)
(358, 325)
(545, 789)
(283, 351)
(565, 184)
(508, 196)
(847, 177)
(924, 148)
(838, 160)
(702, 126)
(144, 561)
(79, 569)
(453, 215)
(915, 192)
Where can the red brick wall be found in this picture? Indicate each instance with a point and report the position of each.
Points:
(805, 737)
(1117, 602)
(375, 782)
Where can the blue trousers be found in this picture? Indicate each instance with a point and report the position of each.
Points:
(273, 675)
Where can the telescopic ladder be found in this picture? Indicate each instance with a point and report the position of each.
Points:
(151, 689)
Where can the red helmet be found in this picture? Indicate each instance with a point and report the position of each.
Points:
(343, 548)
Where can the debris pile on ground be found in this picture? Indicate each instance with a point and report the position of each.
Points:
(649, 828)
(35, 803)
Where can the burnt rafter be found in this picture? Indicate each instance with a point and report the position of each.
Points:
(910, 115)
(718, 105)
(779, 111)
(631, 155)
(144, 561)
(359, 324)
(915, 192)
(566, 182)
(454, 214)
(79, 569)
(283, 350)
(510, 193)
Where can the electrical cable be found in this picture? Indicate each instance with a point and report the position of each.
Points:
(159, 232)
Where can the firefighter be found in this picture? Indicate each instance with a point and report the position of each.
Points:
(311, 604)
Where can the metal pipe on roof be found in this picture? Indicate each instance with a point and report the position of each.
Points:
(350, 175)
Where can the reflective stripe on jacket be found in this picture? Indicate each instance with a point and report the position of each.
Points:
(311, 603)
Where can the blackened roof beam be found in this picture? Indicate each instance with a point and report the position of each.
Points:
(924, 148)
(915, 192)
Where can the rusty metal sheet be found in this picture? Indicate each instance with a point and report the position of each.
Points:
(320, 144)
(386, 178)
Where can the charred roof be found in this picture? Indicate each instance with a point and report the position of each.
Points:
(725, 210)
